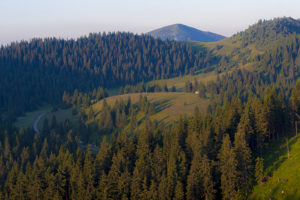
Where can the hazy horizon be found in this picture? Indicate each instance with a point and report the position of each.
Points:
(29, 19)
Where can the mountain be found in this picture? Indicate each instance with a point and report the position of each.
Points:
(182, 32)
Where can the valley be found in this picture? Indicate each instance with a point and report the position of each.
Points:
(128, 116)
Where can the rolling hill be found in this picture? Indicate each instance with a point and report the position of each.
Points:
(182, 32)
(255, 40)
(169, 106)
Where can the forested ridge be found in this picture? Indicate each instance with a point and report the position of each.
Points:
(217, 155)
(41, 70)
(265, 32)
(277, 65)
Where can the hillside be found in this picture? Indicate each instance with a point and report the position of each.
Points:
(268, 32)
(182, 32)
(39, 71)
(61, 116)
(254, 41)
(282, 173)
(257, 38)
(169, 106)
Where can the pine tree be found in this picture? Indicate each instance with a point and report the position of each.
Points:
(208, 183)
(89, 175)
(244, 164)
(179, 191)
(200, 183)
(259, 170)
(228, 168)
(260, 124)
(194, 188)
(103, 158)
(153, 191)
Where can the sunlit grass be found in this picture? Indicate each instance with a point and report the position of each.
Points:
(282, 174)
(168, 105)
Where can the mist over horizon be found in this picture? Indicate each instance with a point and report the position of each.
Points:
(73, 19)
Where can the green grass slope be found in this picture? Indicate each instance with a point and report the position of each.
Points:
(179, 82)
(168, 105)
(282, 174)
(241, 51)
(61, 115)
(28, 119)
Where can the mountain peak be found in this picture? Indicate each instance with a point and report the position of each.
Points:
(181, 32)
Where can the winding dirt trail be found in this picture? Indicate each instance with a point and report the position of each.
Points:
(37, 121)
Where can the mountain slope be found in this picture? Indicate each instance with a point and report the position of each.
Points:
(281, 173)
(253, 47)
(267, 32)
(39, 71)
(168, 105)
(182, 32)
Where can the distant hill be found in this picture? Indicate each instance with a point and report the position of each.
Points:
(253, 47)
(266, 32)
(182, 32)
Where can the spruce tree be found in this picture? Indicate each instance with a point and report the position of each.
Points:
(259, 170)
(244, 164)
(228, 169)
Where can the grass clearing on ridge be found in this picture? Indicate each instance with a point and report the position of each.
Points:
(168, 105)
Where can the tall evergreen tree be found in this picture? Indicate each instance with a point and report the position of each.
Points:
(228, 169)
(244, 164)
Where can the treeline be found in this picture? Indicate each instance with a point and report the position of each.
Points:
(265, 32)
(39, 71)
(197, 87)
(113, 118)
(142, 87)
(79, 99)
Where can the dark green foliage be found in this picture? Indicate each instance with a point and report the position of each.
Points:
(259, 170)
(228, 168)
(267, 31)
(244, 164)
(194, 159)
(79, 99)
(196, 87)
(142, 87)
(41, 70)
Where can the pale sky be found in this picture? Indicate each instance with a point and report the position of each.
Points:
(25, 19)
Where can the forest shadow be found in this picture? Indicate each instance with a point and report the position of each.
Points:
(162, 105)
(277, 154)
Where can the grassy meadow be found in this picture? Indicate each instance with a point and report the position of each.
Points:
(168, 105)
(282, 173)
(61, 115)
